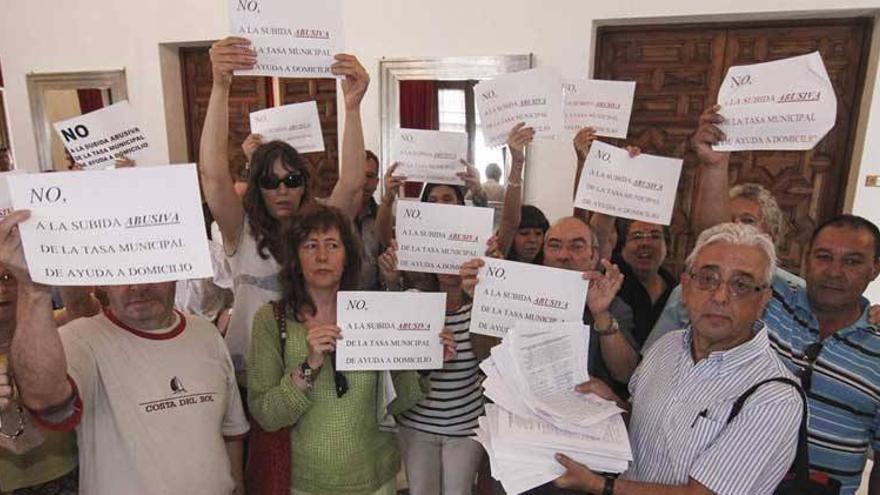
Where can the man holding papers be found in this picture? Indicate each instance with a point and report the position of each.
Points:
(684, 440)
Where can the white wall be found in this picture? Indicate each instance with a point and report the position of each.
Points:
(109, 34)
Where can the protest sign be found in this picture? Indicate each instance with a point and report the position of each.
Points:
(113, 227)
(640, 188)
(438, 238)
(96, 139)
(390, 330)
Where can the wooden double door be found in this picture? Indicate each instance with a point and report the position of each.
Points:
(678, 70)
(249, 94)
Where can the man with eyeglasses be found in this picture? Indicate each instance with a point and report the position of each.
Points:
(684, 390)
(640, 254)
(570, 244)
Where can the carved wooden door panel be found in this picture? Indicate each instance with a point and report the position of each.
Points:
(325, 166)
(248, 94)
(678, 71)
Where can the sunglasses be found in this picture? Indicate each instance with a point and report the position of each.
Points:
(339, 380)
(291, 180)
(811, 352)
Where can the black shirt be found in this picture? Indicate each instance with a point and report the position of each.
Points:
(634, 294)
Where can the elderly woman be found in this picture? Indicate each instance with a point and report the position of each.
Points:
(336, 444)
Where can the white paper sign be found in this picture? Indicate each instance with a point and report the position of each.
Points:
(95, 139)
(783, 105)
(297, 125)
(113, 227)
(292, 38)
(429, 156)
(438, 238)
(390, 330)
(5, 197)
(641, 188)
(509, 292)
(532, 96)
(603, 105)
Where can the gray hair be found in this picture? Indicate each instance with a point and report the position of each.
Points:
(773, 217)
(738, 234)
(493, 171)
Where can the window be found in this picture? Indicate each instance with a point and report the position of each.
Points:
(457, 113)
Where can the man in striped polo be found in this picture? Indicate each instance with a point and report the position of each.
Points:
(823, 334)
(684, 389)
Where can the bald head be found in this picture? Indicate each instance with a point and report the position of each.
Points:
(570, 244)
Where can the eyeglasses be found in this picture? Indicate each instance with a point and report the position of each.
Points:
(575, 246)
(709, 279)
(291, 180)
(339, 380)
(811, 352)
(654, 235)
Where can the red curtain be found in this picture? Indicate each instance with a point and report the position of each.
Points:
(418, 110)
(89, 100)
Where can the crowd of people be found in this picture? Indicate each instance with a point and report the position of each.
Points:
(732, 373)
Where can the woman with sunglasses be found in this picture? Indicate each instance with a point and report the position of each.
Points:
(278, 186)
(337, 446)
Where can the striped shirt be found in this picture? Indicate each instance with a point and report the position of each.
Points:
(679, 430)
(456, 397)
(844, 396)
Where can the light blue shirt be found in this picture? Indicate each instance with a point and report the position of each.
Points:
(679, 430)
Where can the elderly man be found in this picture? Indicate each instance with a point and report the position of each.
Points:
(151, 392)
(684, 390)
(748, 203)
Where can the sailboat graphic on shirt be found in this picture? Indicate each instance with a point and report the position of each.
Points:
(177, 386)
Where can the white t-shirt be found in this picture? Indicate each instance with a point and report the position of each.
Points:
(155, 408)
(255, 283)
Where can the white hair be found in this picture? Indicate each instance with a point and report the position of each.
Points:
(772, 215)
(738, 234)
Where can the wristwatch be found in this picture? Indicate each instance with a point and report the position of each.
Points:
(308, 374)
(608, 489)
(613, 328)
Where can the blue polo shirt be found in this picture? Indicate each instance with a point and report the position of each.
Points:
(844, 397)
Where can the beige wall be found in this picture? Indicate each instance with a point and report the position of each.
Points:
(60, 105)
(108, 34)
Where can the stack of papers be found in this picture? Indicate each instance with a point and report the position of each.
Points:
(530, 377)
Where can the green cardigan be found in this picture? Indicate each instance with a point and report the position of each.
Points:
(336, 445)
